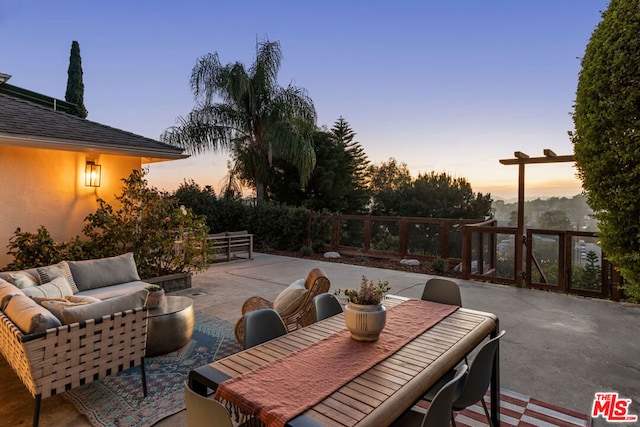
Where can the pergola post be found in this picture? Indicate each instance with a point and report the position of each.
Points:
(521, 159)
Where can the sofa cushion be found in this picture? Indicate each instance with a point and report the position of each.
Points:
(7, 290)
(57, 288)
(29, 316)
(110, 306)
(55, 305)
(97, 273)
(61, 269)
(289, 295)
(114, 290)
(22, 279)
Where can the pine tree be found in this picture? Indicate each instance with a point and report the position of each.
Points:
(359, 163)
(75, 86)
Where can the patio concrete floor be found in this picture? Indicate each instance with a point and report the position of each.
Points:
(558, 348)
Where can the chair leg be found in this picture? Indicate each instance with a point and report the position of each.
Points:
(486, 412)
(143, 375)
(453, 420)
(36, 410)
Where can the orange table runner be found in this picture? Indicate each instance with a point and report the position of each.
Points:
(280, 391)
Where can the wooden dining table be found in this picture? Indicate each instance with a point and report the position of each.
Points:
(381, 394)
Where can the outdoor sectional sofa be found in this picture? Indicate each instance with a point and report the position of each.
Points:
(94, 324)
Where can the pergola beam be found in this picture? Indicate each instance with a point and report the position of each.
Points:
(545, 159)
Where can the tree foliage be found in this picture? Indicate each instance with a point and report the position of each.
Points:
(607, 135)
(554, 220)
(433, 195)
(75, 86)
(256, 119)
(388, 182)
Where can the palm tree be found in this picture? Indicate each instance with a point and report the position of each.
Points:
(255, 119)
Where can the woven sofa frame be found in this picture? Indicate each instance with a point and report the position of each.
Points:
(316, 283)
(69, 356)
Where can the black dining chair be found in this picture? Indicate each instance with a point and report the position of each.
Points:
(477, 381)
(326, 305)
(441, 290)
(261, 326)
(439, 412)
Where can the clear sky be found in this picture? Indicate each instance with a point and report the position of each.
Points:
(447, 86)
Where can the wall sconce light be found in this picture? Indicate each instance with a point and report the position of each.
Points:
(92, 172)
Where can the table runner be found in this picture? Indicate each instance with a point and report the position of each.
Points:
(281, 390)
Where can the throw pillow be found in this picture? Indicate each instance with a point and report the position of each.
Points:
(28, 316)
(289, 295)
(23, 280)
(61, 269)
(57, 288)
(109, 306)
(97, 273)
(7, 290)
(82, 298)
(55, 306)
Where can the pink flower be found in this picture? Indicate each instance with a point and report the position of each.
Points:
(167, 219)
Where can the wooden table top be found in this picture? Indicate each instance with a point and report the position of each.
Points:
(380, 395)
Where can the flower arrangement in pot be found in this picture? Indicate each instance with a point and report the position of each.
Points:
(155, 297)
(364, 314)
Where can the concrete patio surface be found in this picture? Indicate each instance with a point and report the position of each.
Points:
(558, 348)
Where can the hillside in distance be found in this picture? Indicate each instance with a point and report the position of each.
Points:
(575, 209)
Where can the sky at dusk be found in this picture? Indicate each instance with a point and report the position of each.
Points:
(447, 86)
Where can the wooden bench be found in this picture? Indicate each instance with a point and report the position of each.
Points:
(229, 244)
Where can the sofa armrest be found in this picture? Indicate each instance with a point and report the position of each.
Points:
(72, 355)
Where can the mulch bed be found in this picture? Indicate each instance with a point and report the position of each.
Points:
(369, 261)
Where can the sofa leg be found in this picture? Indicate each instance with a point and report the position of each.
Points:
(36, 410)
(143, 375)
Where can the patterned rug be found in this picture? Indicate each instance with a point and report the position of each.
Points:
(117, 401)
(519, 410)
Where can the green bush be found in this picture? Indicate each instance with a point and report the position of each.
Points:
(39, 249)
(607, 135)
(439, 265)
(148, 223)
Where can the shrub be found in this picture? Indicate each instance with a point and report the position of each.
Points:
(606, 138)
(306, 251)
(148, 223)
(439, 265)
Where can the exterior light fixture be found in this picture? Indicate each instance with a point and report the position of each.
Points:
(92, 172)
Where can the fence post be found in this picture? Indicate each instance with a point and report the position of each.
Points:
(444, 240)
(404, 237)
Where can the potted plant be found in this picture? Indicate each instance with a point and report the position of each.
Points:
(364, 314)
(155, 297)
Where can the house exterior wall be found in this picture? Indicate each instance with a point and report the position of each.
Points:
(47, 187)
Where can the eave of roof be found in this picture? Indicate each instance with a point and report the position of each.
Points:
(25, 124)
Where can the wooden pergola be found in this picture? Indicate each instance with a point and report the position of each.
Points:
(521, 159)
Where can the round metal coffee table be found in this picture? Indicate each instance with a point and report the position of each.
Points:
(170, 326)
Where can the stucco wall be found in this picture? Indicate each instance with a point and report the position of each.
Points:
(46, 187)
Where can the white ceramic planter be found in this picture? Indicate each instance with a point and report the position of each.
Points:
(365, 322)
(155, 299)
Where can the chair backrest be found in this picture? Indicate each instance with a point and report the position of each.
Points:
(261, 326)
(202, 411)
(444, 291)
(326, 305)
(439, 412)
(479, 376)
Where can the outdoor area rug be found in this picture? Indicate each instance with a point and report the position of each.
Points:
(117, 401)
(519, 410)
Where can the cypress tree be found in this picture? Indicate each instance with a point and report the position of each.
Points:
(75, 86)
